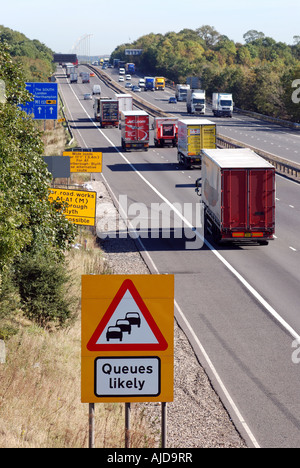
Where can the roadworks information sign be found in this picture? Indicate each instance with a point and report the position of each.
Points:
(85, 161)
(79, 205)
(127, 338)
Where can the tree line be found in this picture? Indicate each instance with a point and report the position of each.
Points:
(259, 73)
(34, 234)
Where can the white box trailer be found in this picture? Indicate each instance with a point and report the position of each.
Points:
(125, 102)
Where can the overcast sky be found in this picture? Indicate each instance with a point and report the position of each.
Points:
(61, 23)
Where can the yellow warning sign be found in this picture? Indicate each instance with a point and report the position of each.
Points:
(127, 338)
(85, 161)
(79, 205)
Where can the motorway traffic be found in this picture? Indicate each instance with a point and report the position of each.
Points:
(238, 304)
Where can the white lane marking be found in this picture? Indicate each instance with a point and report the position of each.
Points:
(191, 331)
(262, 301)
(247, 285)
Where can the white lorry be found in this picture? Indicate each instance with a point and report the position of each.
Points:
(181, 92)
(74, 78)
(222, 104)
(195, 101)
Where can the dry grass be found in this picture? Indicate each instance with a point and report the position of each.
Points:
(40, 403)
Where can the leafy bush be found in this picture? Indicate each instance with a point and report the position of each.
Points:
(43, 286)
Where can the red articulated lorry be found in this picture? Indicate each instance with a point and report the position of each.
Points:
(238, 193)
(165, 131)
(135, 130)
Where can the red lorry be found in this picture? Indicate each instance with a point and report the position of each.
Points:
(165, 131)
(135, 131)
(238, 193)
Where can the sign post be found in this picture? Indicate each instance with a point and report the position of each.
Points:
(127, 339)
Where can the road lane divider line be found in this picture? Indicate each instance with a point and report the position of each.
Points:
(245, 283)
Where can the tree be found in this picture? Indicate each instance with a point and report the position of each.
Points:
(209, 34)
(253, 35)
(29, 223)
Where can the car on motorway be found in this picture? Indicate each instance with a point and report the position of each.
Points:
(92, 74)
(128, 85)
(87, 96)
(172, 100)
(128, 77)
(121, 78)
(136, 89)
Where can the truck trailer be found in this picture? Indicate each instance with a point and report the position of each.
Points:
(165, 131)
(135, 130)
(222, 104)
(125, 102)
(73, 77)
(195, 101)
(193, 136)
(238, 193)
(106, 112)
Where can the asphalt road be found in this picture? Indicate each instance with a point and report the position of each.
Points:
(281, 141)
(239, 305)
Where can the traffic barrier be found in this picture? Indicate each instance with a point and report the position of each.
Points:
(283, 166)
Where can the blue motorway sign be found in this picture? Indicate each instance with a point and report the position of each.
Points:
(45, 104)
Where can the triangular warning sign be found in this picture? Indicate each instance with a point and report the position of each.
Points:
(127, 325)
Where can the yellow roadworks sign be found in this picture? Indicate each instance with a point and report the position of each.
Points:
(85, 161)
(79, 205)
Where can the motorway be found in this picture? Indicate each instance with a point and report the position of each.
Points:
(239, 305)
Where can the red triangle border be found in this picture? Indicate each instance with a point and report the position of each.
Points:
(162, 345)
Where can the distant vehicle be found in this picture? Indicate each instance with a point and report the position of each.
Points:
(136, 89)
(149, 83)
(222, 104)
(193, 136)
(92, 74)
(135, 131)
(106, 111)
(172, 100)
(85, 77)
(165, 131)
(87, 96)
(97, 89)
(142, 83)
(73, 78)
(195, 101)
(129, 85)
(160, 83)
(181, 92)
(130, 68)
(114, 333)
(121, 78)
(128, 77)
(121, 71)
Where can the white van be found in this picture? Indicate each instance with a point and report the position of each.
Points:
(97, 89)
(122, 71)
(142, 83)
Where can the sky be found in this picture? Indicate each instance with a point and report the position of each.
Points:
(60, 24)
